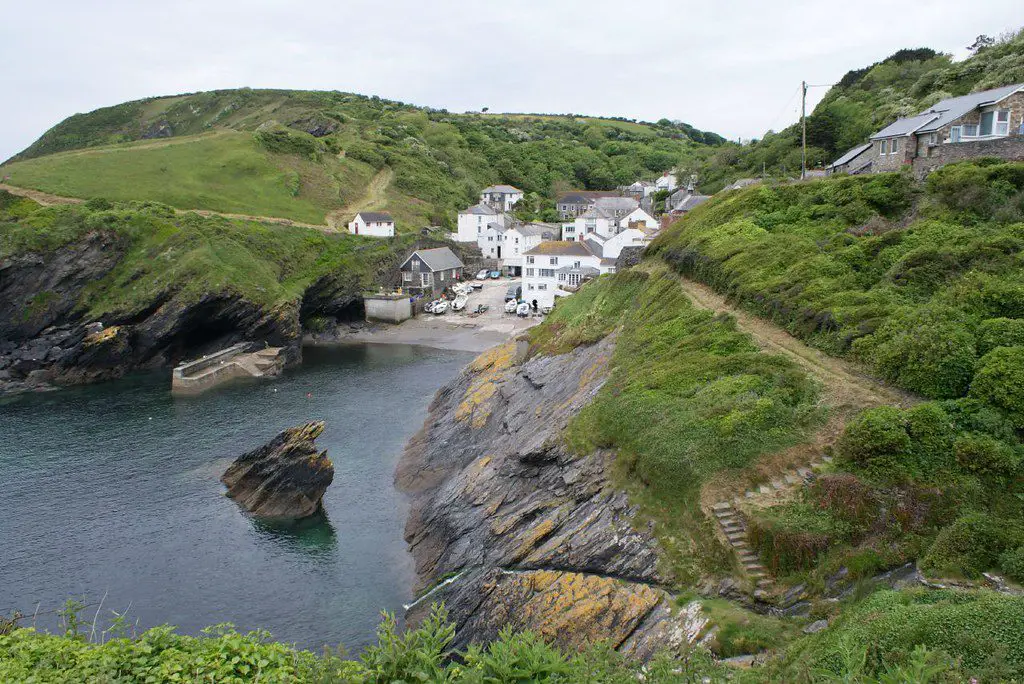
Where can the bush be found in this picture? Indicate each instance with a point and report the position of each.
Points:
(790, 537)
(1012, 563)
(877, 441)
(1000, 382)
(1000, 332)
(983, 455)
(968, 547)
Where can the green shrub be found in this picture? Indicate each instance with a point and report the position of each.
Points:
(1000, 382)
(984, 455)
(968, 547)
(1000, 332)
(877, 441)
(791, 536)
(1012, 563)
(931, 432)
(282, 140)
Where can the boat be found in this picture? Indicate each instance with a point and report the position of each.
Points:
(429, 307)
(510, 306)
(440, 307)
(523, 310)
(460, 302)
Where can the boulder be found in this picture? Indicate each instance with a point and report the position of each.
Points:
(285, 479)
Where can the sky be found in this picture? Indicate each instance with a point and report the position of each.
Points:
(731, 66)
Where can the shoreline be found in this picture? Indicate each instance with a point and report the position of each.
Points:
(435, 333)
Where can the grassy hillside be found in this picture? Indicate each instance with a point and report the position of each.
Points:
(866, 100)
(186, 256)
(306, 155)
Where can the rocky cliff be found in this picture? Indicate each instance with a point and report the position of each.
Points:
(513, 529)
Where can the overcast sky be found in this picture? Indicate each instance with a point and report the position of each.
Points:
(731, 66)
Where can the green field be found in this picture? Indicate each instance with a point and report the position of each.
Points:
(224, 171)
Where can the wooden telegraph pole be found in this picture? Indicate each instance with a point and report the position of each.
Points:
(803, 126)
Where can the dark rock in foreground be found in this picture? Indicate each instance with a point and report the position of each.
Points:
(284, 479)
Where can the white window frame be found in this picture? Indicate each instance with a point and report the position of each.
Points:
(956, 134)
(407, 276)
(883, 148)
(894, 146)
(1001, 128)
(529, 259)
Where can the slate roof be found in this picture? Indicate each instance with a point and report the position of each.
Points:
(437, 259)
(381, 216)
(945, 112)
(613, 204)
(560, 248)
(902, 127)
(584, 196)
(500, 188)
(955, 107)
(481, 209)
(538, 229)
(850, 155)
(691, 201)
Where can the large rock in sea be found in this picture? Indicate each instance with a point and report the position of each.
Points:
(284, 479)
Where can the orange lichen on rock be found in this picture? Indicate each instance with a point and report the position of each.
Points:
(488, 369)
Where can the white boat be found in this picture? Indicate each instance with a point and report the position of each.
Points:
(429, 307)
(440, 307)
(510, 306)
(460, 302)
(523, 310)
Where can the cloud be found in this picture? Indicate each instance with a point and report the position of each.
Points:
(730, 66)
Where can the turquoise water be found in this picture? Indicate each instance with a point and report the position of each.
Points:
(113, 490)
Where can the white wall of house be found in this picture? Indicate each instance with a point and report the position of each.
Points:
(472, 226)
(514, 244)
(667, 182)
(589, 223)
(638, 214)
(374, 228)
(627, 238)
(569, 232)
(491, 242)
(501, 201)
(540, 278)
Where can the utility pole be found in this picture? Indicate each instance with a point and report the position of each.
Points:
(803, 125)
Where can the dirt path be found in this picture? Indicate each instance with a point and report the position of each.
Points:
(48, 200)
(846, 389)
(372, 199)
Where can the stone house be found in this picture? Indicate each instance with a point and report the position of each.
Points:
(430, 271)
(987, 123)
(853, 161)
(372, 223)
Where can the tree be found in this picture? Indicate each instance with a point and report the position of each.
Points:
(980, 43)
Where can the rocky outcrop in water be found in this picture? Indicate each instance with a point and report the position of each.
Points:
(285, 479)
(534, 536)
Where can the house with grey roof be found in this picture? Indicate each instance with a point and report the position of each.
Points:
(852, 161)
(472, 222)
(501, 197)
(573, 203)
(372, 223)
(987, 123)
(521, 238)
(431, 271)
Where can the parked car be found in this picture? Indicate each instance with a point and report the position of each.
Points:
(482, 275)
(513, 292)
(495, 275)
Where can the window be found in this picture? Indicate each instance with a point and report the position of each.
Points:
(954, 134)
(415, 264)
(547, 273)
(894, 145)
(883, 147)
(424, 279)
(554, 261)
(530, 286)
(542, 286)
(529, 259)
(442, 276)
(490, 238)
(576, 265)
(970, 130)
(1003, 122)
(407, 276)
(529, 273)
(570, 229)
(933, 139)
(561, 276)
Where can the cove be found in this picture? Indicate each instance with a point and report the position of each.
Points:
(113, 489)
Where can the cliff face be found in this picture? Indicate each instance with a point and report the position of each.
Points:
(534, 536)
(46, 339)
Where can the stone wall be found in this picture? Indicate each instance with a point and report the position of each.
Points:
(1011, 148)
(881, 163)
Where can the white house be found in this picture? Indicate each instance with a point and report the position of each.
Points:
(596, 220)
(667, 181)
(474, 220)
(556, 269)
(373, 223)
(491, 241)
(637, 216)
(520, 239)
(569, 232)
(501, 197)
(631, 237)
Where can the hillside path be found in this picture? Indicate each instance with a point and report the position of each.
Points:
(48, 200)
(846, 389)
(372, 199)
